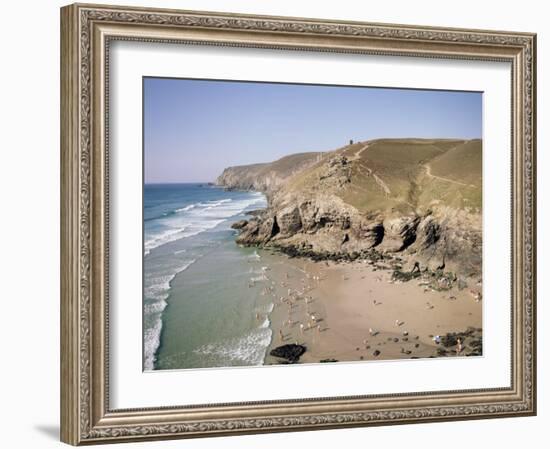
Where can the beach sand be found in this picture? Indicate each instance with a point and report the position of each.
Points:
(353, 311)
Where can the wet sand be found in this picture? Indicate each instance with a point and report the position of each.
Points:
(352, 311)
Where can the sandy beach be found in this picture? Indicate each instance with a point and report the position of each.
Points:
(354, 311)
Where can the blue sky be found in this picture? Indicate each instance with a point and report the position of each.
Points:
(193, 129)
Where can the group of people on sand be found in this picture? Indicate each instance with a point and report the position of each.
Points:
(291, 301)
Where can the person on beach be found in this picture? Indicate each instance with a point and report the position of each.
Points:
(281, 335)
(301, 328)
(458, 346)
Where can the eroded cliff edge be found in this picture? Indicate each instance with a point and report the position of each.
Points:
(412, 204)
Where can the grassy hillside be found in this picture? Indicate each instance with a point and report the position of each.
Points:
(402, 175)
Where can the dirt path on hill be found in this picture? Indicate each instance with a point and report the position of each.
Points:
(429, 173)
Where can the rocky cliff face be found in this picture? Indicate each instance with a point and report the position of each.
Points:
(405, 200)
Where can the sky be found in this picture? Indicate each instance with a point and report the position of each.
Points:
(193, 129)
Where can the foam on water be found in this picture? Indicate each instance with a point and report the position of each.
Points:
(151, 339)
(249, 349)
(196, 218)
(171, 235)
(186, 208)
(181, 222)
(156, 294)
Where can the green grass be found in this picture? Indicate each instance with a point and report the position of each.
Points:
(462, 163)
(401, 165)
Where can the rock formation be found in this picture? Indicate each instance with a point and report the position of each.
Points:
(291, 353)
(417, 201)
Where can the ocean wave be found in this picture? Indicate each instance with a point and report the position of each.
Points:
(206, 205)
(171, 235)
(171, 212)
(151, 341)
(215, 203)
(249, 348)
(156, 293)
(196, 218)
(186, 208)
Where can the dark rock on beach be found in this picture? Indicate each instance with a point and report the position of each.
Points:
(471, 340)
(290, 352)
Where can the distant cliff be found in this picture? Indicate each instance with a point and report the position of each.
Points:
(415, 199)
(268, 177)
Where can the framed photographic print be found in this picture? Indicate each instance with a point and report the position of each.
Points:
(279, 224)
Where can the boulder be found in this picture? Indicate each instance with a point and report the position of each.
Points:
(290, 352)
(249, 234)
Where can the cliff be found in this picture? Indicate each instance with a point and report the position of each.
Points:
(268, 177)
(416, 202)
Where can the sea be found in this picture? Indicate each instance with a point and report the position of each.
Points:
(199, 309)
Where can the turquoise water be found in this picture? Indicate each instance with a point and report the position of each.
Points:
(198, 309)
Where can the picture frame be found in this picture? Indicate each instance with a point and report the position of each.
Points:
(87, 31)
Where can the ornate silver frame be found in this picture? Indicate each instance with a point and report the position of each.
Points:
(86, 32)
